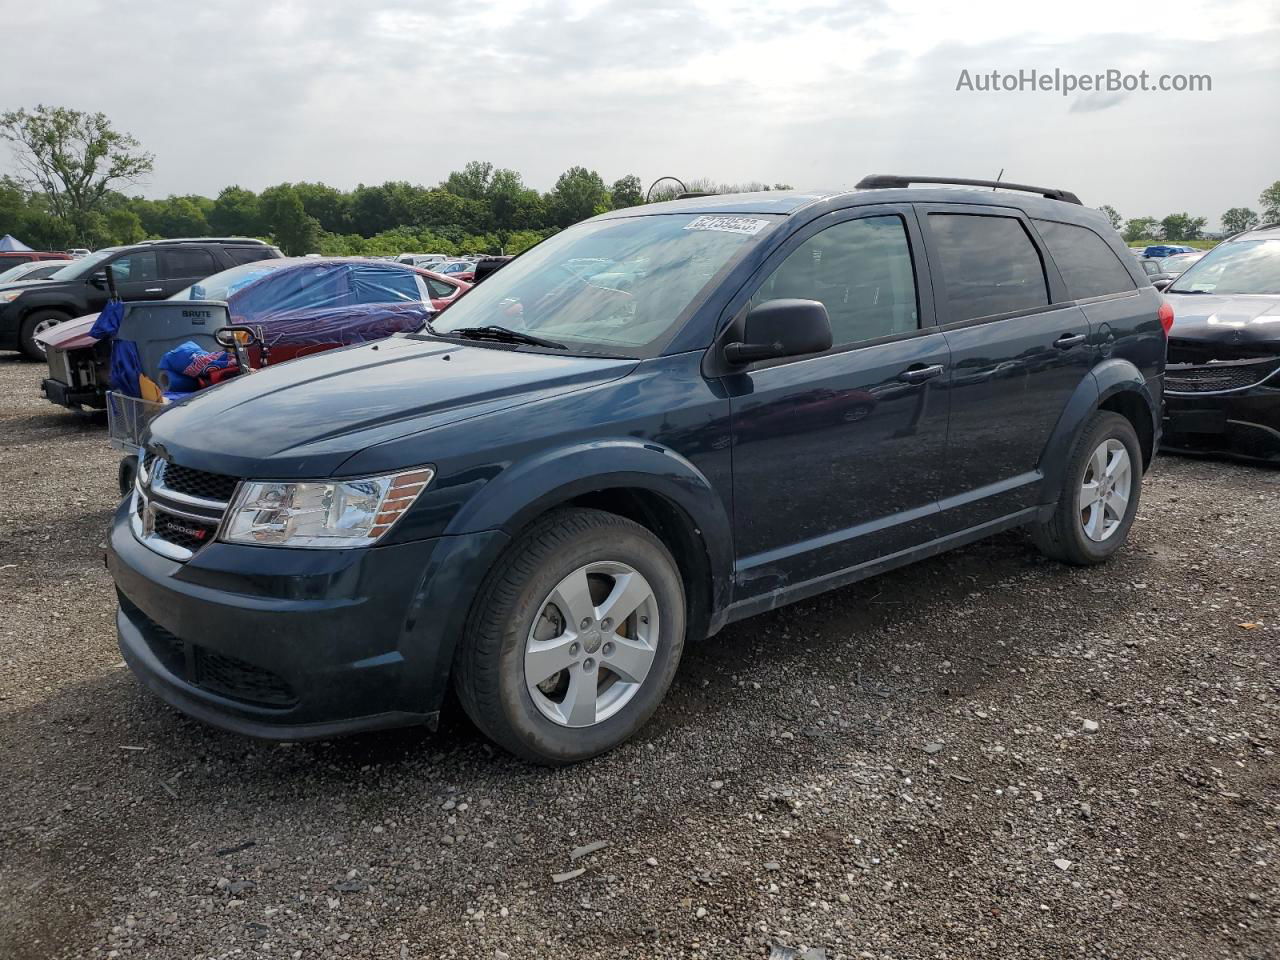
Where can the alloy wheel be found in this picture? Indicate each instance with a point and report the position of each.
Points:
(592, 644)
(1105, 491)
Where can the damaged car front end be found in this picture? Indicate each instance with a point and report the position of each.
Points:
(1222, 381)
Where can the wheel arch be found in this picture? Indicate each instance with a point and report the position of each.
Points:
(642, 481)
(1116, 385)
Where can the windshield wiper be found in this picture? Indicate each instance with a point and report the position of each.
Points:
(503, 335)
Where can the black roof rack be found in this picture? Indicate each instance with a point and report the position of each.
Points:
(886, 181)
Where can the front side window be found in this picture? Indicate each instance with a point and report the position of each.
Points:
(860, 270)
(620, 286)
(137, 267)
(1088, 266)
(1242, 267)
(989, 265)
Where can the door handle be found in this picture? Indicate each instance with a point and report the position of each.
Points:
(154, 290)
(1069, 340)
(920, 374)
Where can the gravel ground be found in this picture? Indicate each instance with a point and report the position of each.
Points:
(982, 755)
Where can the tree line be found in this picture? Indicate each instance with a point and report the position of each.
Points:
(1181, 227)
(73, 170)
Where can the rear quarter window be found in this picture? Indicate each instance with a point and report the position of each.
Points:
(1089, 267)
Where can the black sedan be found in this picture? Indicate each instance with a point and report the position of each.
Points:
(1222, 382)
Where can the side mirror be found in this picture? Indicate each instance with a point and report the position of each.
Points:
(99, 280)
(781, 328)
(1161, 284)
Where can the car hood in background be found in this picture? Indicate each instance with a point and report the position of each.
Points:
(1242, 320)
(305, 417)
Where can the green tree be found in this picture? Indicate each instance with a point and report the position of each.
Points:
(235, 214)
(1181, 226)
(74, 158)
(627, 192)
(1238, 220)
(1269, 200)
(1112, 215)
(296, 231)
(506, 188)
(1140, 228)
(579, 193)
(122, 226)
(472, 181)
(330, 206)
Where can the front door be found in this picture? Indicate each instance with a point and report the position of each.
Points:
(137, 277)
(836, 457)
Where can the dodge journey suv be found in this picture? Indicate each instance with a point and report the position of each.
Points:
(653, 424)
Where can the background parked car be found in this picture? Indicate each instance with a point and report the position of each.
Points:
(444, 290)
(1159, 250)
(33, 270)
(458, 269)
(151, 270)
(1222, 384)
(1160, 270)
(302, 305)
(427, 260)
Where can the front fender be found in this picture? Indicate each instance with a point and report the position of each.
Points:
(1105, 381)
(527, 489)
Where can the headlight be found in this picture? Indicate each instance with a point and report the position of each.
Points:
(9, 296)
(322, 513)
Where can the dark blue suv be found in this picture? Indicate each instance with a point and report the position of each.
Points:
(655, 423)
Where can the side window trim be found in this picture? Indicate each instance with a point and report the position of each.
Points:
(1056, 288)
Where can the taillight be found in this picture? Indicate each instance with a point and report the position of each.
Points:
(1165, 316)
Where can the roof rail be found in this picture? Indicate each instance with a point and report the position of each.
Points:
(886, 181)
(162, 242)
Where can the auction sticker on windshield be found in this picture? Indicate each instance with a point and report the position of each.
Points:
(747, 225)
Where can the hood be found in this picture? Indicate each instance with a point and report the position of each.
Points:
(70, 335)
(28, 284)
(1235, 320)
(305, 417)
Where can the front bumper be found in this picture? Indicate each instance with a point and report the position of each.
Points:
(1243, 423)
(297, 644)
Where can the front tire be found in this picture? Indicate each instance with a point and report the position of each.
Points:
(1099, 497)
(574, 638)
(38, 322)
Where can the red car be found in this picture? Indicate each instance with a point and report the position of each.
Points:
(444, 289)
(11, 258)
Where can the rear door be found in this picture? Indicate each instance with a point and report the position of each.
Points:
(836, 457)
(184, 266)
(1018, 352)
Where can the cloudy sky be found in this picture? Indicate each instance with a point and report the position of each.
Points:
(815, 94)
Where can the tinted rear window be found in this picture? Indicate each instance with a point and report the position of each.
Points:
(1088, 266)
(989, 265)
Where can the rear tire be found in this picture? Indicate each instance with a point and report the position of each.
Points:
(40, 320)
(526, 612)
(1096, 506)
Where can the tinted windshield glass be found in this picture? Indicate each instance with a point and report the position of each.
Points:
(609, 286)
(220, 286)
(1178, 262)
(85, 266)
(1243, 267)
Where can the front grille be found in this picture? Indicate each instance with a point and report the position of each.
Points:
(1214, 377)
(216, 672)
(169, 521)
(183, 531)
(198, 483)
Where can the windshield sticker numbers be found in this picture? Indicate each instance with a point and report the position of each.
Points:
(746, 225)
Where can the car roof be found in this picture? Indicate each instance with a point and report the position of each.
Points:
(788, 202)
(1268, 231)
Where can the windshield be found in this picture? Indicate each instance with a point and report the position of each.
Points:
(86, 265)
(612, 286)
(220, 286)
(1242, 267)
